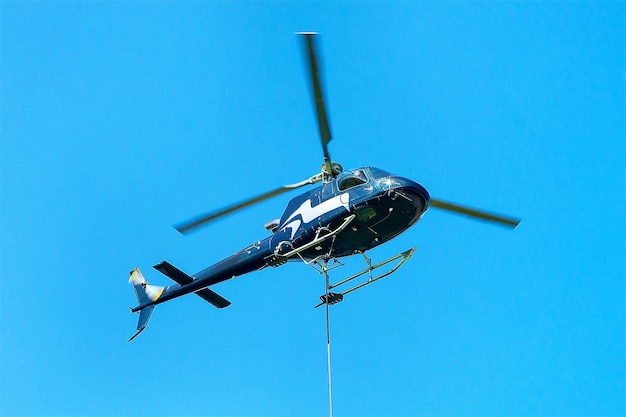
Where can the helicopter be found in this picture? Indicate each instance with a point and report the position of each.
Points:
(349, 213)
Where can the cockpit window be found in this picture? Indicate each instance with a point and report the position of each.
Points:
(351, 179)
(379, 173)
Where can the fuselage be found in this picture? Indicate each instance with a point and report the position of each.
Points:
(372, 205)
(384, 206)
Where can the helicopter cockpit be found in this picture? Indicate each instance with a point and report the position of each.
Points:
(376, 173)
(352, 178)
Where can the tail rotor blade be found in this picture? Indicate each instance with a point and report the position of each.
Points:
(477, 214)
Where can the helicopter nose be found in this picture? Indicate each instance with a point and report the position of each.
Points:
(406, 186)
(412, 187)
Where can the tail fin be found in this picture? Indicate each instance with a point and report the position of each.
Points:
(146, 294)
(144, 318)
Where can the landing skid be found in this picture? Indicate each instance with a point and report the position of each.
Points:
(331, 298)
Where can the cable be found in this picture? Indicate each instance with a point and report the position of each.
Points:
(330, 385)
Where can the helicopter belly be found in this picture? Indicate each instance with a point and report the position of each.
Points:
(376, 221)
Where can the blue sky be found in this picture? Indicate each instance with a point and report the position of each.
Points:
(120, 119)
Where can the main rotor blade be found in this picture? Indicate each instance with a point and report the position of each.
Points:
(317, 89)
(193, 224)
(478, 214)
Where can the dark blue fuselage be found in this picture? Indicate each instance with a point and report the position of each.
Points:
(383, 206)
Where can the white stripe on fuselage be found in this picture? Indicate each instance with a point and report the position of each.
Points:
(309, 213)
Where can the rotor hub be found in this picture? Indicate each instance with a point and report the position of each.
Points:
(335, 169)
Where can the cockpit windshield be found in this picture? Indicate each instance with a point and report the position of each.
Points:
(349, 179)
(378, 173)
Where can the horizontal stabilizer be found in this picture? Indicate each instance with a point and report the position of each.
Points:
(213, 298)
(181, 278)
(174, 273)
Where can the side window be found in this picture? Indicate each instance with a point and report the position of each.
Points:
(352, 179)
